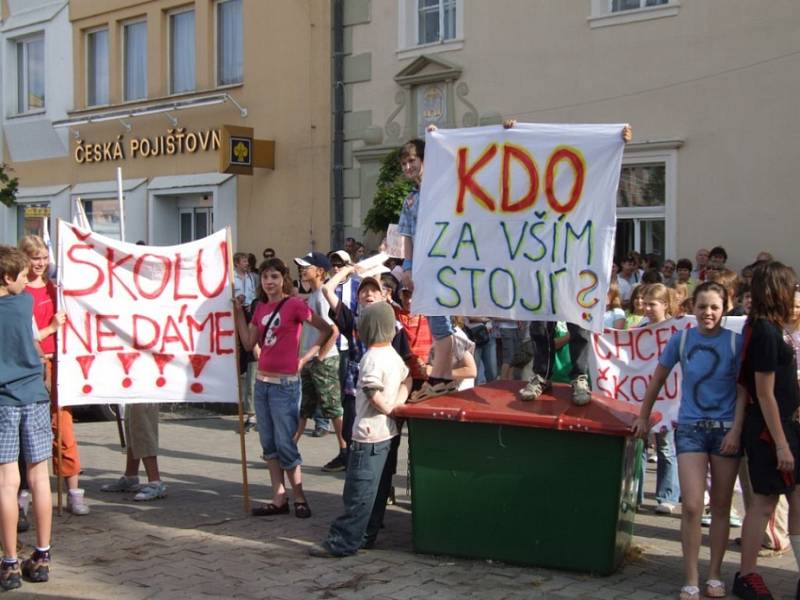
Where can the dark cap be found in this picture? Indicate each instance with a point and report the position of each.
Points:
(314, 259)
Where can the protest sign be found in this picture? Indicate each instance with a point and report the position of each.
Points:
(394, 242)
(144, 324)
(518, 223)
(622, 363)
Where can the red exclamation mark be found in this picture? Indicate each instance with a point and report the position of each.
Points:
(161, 362)
(85, 363)
(127, 359)
(198, 363)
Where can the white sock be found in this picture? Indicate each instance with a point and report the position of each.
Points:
(794, 540)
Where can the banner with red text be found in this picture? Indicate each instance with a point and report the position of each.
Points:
(144, 323)
(623, 360)
(518, 223)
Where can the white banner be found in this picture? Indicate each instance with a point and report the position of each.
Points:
(622, 363)
(518, 223)
(144, 324)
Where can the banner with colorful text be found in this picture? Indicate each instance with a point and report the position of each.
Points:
(144, 323)
(518, 223)
(623, 361)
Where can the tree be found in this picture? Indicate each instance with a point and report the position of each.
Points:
(393, 188)
(8, 186)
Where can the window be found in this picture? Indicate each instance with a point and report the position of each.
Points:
(645, 205)
(135, 60)
(97, 67)
(31, 217)
(30, 74)
(195, 223)
(619, 5)
(436, 21)
(181, 52)
(230, 64)
(103, 216)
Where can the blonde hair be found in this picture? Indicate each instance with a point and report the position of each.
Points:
(613, 300)
(660, 292)
(30, 245)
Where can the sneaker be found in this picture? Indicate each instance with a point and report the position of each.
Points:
(750, 587)
(37, 567)
(665, 508)
(705, 519)
(249, 424)
(319, 432)
(151, 490)
(10, 576)
(534, 388)
(322, 551)
(22, 522)
(123, 484)
(581, 394)
(76, 503)
(652, 457)
(336, 465)
(429, 390)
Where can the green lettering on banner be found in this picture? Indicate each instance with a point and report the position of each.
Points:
(431, 252)
(553, 277)
(539, 276)
(473, 280)
(452, 287)
(466, 240)
(493, 295)
(542, 245)
(571, 233)
(512, 253)
(554, 249)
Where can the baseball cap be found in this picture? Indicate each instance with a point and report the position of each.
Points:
(314, 259)
(371, 280)
(341, 254)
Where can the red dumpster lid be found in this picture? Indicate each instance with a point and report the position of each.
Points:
(498, 402)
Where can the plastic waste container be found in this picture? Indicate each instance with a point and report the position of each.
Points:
(543, 483)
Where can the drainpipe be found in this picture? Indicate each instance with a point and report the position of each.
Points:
(337, 240)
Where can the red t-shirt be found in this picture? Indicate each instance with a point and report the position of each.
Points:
(44, 307)
(419, 339)
(279, 349)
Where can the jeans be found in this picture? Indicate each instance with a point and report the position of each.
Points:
(277, 415)
(704, 437)
(544, 350)
(667, 485)
(486, 357)
(363, 487)
(441, 327)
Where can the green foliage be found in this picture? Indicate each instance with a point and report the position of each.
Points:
(392, 190)
(8, 186)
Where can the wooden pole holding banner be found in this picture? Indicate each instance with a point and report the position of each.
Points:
(245, 486)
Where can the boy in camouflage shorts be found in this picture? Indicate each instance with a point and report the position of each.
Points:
(320, 377)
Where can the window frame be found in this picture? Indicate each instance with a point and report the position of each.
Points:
(170, 83)
(87, 61)
(217, 83)
(124, 57)
(669, 158)
(21, 104)
(408, 31)
(601, 14)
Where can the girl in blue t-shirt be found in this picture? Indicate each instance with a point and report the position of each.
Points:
(710, 420)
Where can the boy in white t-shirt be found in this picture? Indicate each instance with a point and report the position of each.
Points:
(383, 384)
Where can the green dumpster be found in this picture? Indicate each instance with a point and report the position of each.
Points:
(543, 483)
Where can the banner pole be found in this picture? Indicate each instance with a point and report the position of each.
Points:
(59, 479)
(245, 486)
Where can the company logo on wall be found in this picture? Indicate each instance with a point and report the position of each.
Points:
(241, 151)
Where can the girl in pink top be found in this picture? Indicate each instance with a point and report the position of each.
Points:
(48, 322)
(276, 327)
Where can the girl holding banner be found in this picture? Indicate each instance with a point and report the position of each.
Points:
(709, 426)
(48, 321)
(276, 326)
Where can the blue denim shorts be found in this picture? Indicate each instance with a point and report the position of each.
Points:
(277, 414)
(441, 327)
(704, 437)
(26, 427)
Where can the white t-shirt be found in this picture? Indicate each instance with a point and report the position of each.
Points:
(318, 305)
(381, 368)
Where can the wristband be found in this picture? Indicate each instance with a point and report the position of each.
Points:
(406, 264)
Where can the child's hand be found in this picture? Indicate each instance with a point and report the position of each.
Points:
(640, 428)
(431, 128)
(627, 134)
(509, 123)
(730, 443)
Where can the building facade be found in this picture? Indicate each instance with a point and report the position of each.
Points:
(184, 96)
(708, 87)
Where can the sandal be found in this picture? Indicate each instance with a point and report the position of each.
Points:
(715, 589)
(690, 592)
(267, 510)
(301, 510)
(431, 391)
